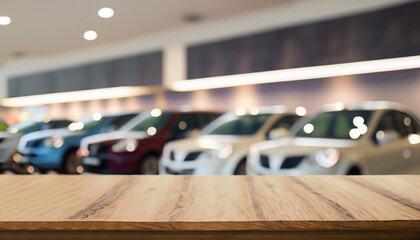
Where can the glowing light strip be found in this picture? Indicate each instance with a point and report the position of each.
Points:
(295, 74)
(83, 95)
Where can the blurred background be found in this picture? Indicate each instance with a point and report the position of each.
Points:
(70, 59)
(147, 45)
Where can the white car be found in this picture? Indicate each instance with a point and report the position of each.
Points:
(373, 138)
(222, 146)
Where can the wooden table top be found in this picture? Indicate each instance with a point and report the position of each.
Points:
(208, 203)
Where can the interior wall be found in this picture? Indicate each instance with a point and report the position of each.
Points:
(387, 33)
(77, 110)
(295, 13)
(139, 70)
(398, 86)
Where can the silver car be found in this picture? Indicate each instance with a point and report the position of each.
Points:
(222, 146)
(372, 138)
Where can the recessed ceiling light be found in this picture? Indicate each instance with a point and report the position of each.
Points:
(4, 20)
(90, 35)
(106, 12)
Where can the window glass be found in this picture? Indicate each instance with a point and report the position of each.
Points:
(24, 126)
(208, 117)
(387, 122)
(408, 123)
(59, 123)
(232, 124)
(145, 121)
(347, 124)
(342, 126)
(89, 123)
(186, 122)
(120, 121)
(285, 121)
(416, 125)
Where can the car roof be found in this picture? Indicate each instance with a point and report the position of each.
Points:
(117, 114)
(264, 109)
(367, 105)
(189, 111)
(52, 120)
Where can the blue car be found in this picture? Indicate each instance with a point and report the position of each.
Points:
(9, 140)
(56, 149)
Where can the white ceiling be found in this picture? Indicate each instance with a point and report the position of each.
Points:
(49, 27)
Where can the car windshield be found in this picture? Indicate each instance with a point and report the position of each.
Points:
(87, 123)
(24, 126)
(232, 124)
(347, 124)
(145, 121)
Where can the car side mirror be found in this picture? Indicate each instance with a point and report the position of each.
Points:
(278, 133)
(386, 136)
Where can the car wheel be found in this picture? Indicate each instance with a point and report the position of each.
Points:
(72, 163)
(240, 169)
(17, 169)
(41, 171)
(354, 171)
(150, 165)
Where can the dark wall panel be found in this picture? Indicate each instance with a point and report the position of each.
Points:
(393, 32)
(141, 70)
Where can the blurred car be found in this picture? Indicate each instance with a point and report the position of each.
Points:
(10, 139)
(137, 146)
(3, 126)
(56, 149)
(372, 138)
(223, 145)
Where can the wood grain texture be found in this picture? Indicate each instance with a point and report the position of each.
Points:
(210, 203)
(207, 235)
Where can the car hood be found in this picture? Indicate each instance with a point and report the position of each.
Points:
(212, 142)
(117, 135)
(301, 146)
(63, 132)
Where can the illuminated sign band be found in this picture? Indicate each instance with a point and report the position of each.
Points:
(285, 75)
(83, 95)
(296, 74)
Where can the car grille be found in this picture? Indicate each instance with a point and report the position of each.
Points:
(183, 172)
(33, 143)
(264, 161)
(292, 162)
(102, 168)
(97, 149)
(192, 156)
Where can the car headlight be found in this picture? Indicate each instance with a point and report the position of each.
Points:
(253, 152)
(125, 145)
(328, 157)
(225, 151)
(56, 141)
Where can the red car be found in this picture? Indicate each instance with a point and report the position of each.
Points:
(136, 147)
